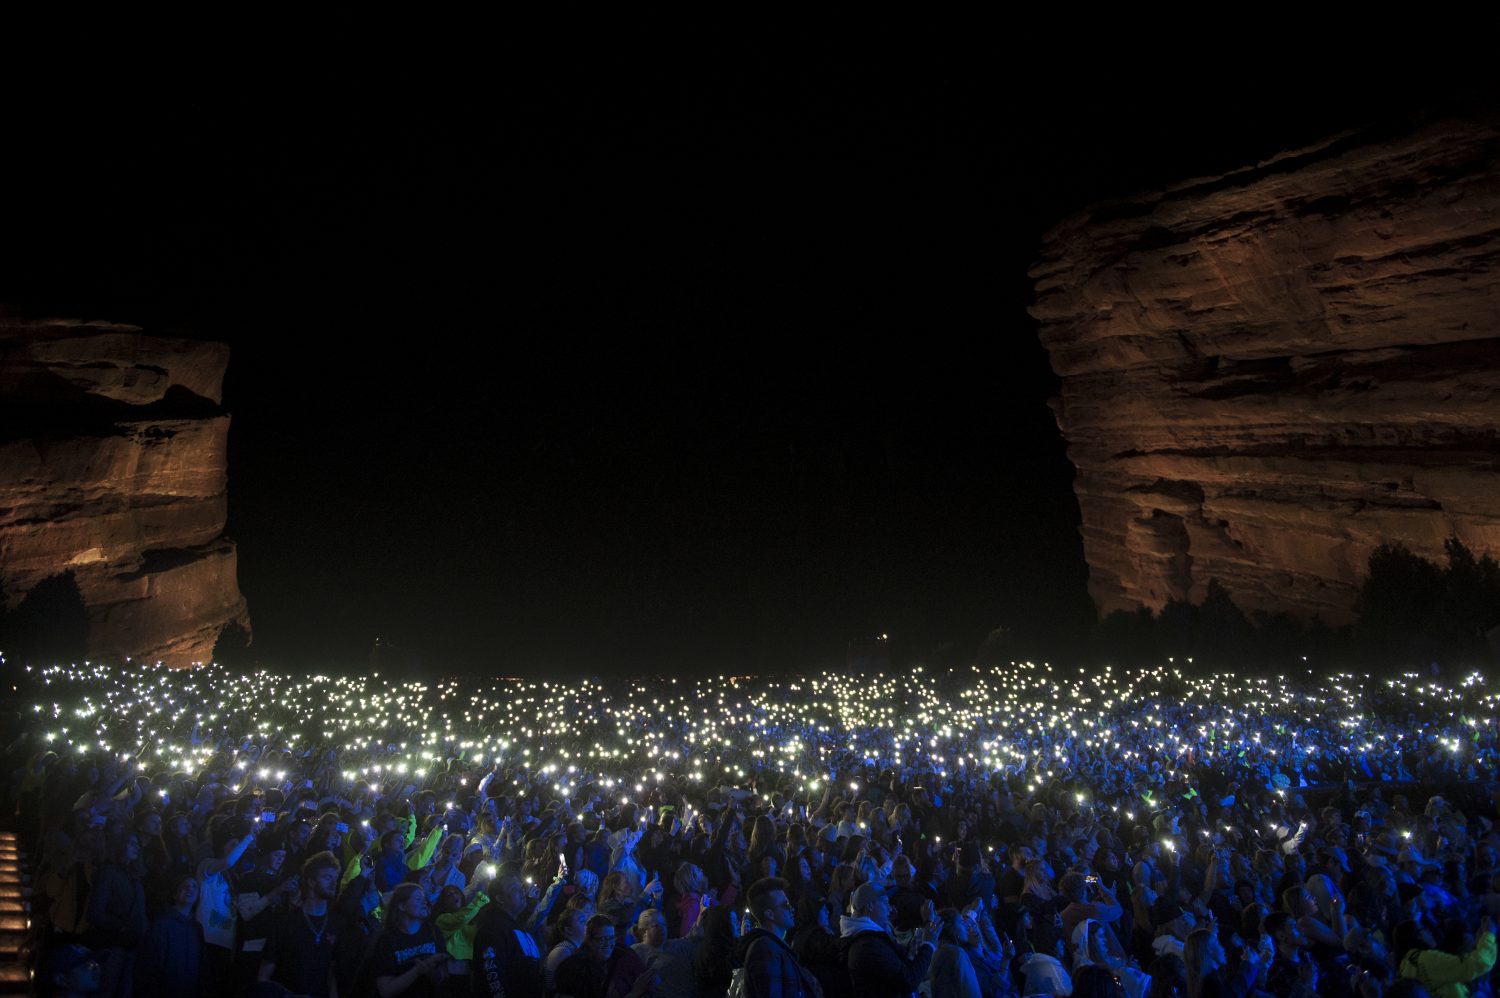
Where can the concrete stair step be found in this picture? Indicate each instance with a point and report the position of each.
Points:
(15, 979)
(16, 942)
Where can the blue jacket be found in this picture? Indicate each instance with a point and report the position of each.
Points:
(389, 872)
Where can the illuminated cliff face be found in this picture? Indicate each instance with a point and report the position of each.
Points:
(1268, 374)
(113, 468)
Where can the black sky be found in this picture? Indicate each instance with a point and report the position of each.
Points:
(649, 348)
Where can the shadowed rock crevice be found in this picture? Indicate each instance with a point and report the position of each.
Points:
(49, 624)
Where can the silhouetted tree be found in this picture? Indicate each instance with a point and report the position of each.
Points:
(1129, 637)
(1397, 604)
(1215, 631)
(1177, 628)
(1224, 632)
(1216, 634)
(1280, 634)
(232, 649)
(1411, 612)
(1471, 590)
(1286, 641)
(998, 647)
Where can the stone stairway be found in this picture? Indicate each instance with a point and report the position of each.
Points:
(15, 918)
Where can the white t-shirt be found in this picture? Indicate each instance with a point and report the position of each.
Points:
(216, 911)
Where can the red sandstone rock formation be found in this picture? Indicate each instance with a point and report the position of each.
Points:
(113, 468)
(1266, 375)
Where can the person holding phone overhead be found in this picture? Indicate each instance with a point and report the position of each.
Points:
(216, 911)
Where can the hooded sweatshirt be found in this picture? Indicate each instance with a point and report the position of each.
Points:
(952, 974)
(1082, 957)
(1045, 974)
(1446, 975)
(1135, 981)
(877, 965)
(1166, 943)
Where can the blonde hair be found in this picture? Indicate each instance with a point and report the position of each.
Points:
(688, 879)
(1036, 881)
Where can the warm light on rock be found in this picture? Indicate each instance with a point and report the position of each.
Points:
(113, 467)
(1268, 374)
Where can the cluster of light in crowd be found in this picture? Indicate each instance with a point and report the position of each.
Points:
(1030, 720)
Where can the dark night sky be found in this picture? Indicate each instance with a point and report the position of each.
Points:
(633, 354)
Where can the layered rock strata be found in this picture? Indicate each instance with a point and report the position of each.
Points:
(1266, 375)
(113, 468)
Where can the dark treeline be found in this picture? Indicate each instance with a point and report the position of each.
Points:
(1411, 615)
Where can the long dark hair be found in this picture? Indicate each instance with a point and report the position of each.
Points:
(1168, 977)
(762, 838)
(1405, 937)
(115, 854)
(350, 904)
(809, 907)
(713, 964)
(178, 848)
(792, 873)
(393, 917)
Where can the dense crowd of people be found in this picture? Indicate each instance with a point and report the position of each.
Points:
(1000, 833)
